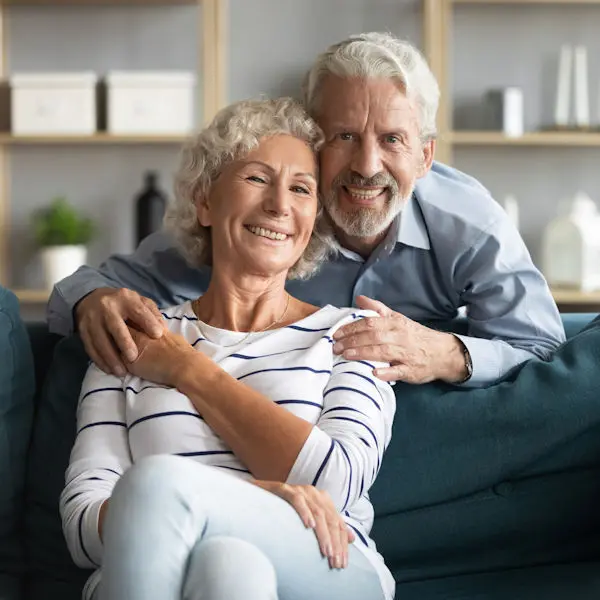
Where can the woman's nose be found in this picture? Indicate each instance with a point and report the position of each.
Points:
(278, 201)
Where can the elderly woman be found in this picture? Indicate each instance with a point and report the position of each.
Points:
(234, 461)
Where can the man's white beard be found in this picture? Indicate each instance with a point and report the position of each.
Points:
(365, 222)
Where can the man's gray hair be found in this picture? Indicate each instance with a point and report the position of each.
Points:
(234, 132)
(377, 55)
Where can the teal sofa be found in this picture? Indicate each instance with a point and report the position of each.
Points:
(483, 494)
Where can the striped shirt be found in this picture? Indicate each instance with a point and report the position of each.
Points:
(120, 421)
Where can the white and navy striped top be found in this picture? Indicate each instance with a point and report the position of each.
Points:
(120, 421)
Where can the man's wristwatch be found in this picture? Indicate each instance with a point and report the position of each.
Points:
(468, 363)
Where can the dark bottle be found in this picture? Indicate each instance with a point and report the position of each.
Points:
(150, 207)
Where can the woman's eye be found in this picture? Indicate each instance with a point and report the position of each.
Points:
(256, 178)
(300, 189)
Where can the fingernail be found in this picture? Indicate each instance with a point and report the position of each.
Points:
(330, 551)
(350, 353)
(337, 335)
(119, 371)
(338, 561)
(338, 347)
(131, 355)
(311, 523)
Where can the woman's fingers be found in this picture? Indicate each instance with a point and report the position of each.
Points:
(339, 543)
(298, 501)
(318, 512)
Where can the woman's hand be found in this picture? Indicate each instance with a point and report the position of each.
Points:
(161, 360)
(317, 512)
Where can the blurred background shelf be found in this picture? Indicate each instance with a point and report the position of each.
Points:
(32, 296)
(480, 2)
(94, 2)
(541, 138)
(563, 297)
(100, 138)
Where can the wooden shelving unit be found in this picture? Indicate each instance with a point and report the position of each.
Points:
(437, 35)
(525, 2)
(542, 138)
(97, 139)
(93, 2)
(212, 33)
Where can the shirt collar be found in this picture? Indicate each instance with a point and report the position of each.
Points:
(407, 228)
(412, 230)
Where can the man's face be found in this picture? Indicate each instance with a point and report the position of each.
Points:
(372, 155)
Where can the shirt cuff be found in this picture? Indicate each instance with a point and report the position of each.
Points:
(484, 358)
(90, 533)
(310, 458)
(64, 298)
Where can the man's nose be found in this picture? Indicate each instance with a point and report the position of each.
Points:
(366, 160)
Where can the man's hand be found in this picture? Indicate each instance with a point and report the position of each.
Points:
(416, 353)
(101, 321)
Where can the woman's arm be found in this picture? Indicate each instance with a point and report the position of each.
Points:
(341, 454)
(99, 457)
(266, 437)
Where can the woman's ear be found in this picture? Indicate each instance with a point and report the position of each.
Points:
(203, 211)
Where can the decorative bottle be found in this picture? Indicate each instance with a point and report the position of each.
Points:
(150, 206)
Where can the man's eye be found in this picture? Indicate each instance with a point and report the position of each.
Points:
(392, 139)
(346, 137)
(256, 178)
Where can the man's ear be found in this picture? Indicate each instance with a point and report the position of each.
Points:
(427, 154)
(203, 211)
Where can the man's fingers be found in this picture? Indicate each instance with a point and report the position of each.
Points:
(121, 335)
(147, 317)
(366, 303)
(366, 325)
(373, 337)
(396, 373)
(377, 352)
(107, 350)
(94, 355)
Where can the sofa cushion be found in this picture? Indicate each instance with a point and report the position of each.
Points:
(16, 413)
(495, 478)
(53, 574)
(435, 518)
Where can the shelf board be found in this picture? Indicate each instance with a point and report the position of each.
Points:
(561, 296)
(570, 296)
(563, 2)
(541, 138)
(95, 2)
(97, 139)
(32, 296)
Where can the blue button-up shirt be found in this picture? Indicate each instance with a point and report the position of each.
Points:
(451, 247)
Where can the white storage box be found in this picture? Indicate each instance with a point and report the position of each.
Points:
(53, 103)
(151, 102)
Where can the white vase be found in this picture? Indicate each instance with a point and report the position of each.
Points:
(61, 261)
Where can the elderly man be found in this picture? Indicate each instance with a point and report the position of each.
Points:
(416, 241)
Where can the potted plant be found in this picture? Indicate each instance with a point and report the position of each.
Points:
(62, 235)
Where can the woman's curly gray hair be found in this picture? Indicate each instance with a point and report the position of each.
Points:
(234, 132)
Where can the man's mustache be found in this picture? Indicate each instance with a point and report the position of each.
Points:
(378, 180)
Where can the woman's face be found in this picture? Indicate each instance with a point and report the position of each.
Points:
(262, 208)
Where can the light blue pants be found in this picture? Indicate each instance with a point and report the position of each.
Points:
(178, 530)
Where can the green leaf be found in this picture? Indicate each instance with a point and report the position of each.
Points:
(59, 224)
